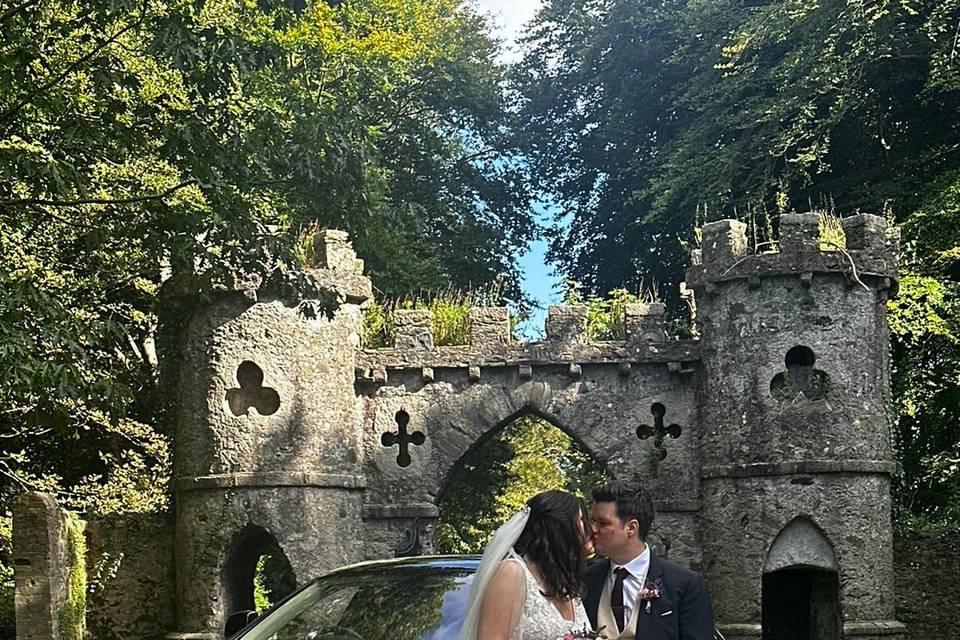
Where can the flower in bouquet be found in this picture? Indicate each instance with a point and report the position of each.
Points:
(585, 634)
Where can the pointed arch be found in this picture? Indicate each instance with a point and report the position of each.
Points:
(801, 543)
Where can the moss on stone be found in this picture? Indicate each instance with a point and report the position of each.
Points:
(72, 623)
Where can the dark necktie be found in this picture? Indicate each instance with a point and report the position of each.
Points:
(616, 596)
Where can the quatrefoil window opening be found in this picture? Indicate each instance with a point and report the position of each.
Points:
(402, 439)
(658, 430)
(252, 393)
(800, 378)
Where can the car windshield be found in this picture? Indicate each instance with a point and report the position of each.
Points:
(419, 602)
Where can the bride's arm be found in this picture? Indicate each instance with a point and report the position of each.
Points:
(502, 602)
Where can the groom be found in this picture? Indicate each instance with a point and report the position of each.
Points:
(635, 593)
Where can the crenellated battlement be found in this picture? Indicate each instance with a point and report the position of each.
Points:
(870, 252)
(491, 343)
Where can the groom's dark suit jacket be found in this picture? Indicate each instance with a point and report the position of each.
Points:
(682, 593)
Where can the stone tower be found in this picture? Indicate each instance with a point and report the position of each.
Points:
(268, 438)
(795, 438)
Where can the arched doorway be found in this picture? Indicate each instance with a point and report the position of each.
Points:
(527, 454)
(256, 572)
(801, 586)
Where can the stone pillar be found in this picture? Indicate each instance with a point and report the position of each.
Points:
(489, 327)
(413, 329)
(644, 322)
(41, 567)
(567, 324)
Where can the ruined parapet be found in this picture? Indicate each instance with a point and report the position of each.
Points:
(413, 329)
(48, 599)
(795, 380)
(567, 324)
(870, 252)
(268, 441)
(489, 328)
(332, 250)
(644, 322)
(490, 344)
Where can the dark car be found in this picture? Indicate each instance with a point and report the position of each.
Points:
(421, 598)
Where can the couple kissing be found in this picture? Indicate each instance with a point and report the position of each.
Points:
(533, 582)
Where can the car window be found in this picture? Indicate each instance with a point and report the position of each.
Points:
(395, 604)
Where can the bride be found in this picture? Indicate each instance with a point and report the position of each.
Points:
(528, 584)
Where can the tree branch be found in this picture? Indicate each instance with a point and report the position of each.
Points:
(104, 201)
(12, 11)
(8, 115)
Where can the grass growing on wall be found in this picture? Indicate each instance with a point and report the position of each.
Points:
(832, 236)
(450, 309)
(72, 615)
(606, 316)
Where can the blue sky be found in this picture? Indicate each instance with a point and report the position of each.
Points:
(540, 282)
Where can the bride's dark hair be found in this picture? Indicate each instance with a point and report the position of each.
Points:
(552, 540)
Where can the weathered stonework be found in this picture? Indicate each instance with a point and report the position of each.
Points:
(765, 442)
(40, 567)
(130, 563)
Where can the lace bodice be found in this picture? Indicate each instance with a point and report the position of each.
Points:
(540, 620)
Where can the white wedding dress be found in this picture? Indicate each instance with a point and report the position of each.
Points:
(539, 619)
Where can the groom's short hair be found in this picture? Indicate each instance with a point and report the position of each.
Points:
(633, 503)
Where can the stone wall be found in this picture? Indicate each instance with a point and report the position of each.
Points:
(927, 585)
(131, 577)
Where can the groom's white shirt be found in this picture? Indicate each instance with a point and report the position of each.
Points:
(638, 568)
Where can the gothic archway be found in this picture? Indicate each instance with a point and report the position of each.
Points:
(525, 454)
(801, 586)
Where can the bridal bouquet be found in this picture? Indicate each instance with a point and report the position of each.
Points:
(585, 634)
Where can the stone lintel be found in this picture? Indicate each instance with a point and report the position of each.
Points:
(271, 479)
(860, 628)
(796, 467)
(541, 354)
(390, 511)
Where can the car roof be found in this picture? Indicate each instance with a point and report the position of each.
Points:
(453, 562)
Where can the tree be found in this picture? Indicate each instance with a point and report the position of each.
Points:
(153, 149)
(636, 117)
(645, 120)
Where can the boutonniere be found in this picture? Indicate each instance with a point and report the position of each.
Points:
(585, 634)
(648, 593)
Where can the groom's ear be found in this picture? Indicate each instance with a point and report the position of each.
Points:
(633, 527)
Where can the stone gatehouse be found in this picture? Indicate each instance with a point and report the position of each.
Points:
(765, 442)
